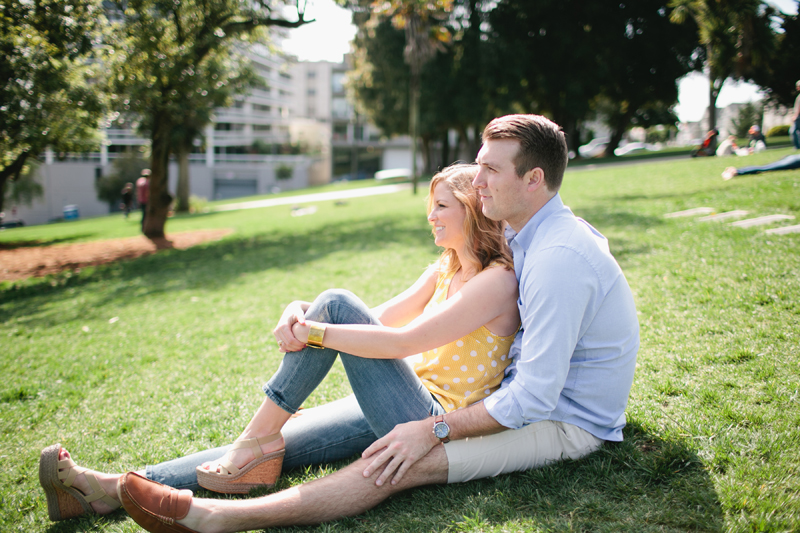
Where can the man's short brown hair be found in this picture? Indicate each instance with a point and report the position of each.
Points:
(541, 144)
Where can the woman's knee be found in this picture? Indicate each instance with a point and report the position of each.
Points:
(339, 306)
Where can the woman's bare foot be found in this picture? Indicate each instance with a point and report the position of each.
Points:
(108, 483)
(240, 457)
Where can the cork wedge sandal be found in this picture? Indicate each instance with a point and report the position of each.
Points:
(263, 471)
(57, 477)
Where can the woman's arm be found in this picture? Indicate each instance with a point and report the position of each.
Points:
(487, 296)
(410, 303)
(396, 312)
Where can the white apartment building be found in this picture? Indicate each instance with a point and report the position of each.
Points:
(322, 114)
(239, 155)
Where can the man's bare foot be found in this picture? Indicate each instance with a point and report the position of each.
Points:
(729, 173)
(240, 457)
(108, 482)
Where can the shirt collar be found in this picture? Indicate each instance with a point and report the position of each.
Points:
(525, 236)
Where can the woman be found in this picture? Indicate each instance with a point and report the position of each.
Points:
(461, 315)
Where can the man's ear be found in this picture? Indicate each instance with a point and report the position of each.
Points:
(534, 178)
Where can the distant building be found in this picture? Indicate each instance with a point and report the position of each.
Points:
(356, 149)
(241, 153)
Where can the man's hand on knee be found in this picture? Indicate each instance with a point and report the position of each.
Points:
(399, 449)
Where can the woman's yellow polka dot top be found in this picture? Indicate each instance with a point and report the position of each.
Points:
(467, 370)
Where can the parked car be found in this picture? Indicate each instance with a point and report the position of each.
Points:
(594, 148)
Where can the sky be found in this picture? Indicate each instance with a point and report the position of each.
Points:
(328, 39)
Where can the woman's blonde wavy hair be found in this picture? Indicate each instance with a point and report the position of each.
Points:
(489, 243)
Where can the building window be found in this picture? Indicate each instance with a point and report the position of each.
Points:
(311, 92)
(262, 108)
(312, 74)
(262, 127)
(337, 82)
(238, 104)
(227, 126)
(340, 132)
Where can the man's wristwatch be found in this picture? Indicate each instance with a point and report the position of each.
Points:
(441, 430)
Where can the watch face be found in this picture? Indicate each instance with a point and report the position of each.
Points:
(441, 430)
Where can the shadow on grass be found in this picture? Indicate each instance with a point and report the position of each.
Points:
(603, 217)
(11, 245)
(642, 484)
(215, 264)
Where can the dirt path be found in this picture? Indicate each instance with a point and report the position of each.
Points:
(24, 262)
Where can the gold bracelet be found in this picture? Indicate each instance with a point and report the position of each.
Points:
(315, 336)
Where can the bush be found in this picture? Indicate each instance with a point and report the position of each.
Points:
(284, 172)
(778, 131)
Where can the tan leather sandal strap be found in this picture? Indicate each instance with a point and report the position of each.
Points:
(68, 476)
(98, 493)
(254, 444)
(270, 438)
(228, 468)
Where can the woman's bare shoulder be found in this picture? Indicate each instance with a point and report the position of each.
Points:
(500, 278)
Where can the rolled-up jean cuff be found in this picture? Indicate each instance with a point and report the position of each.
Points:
(277, 400)
(515, 450)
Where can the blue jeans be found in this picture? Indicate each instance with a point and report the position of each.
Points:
(790, 162)
(387, 392)
(795, 133)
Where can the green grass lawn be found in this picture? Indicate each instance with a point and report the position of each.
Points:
(142, 361)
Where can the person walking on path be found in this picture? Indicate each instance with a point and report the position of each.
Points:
(127, 198)
(143, 192)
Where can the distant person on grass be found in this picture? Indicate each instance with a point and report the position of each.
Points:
(565, 392)
(790, 162)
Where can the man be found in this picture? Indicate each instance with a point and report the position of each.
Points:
(565, 395)
(143, 192)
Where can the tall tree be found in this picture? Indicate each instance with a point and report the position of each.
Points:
(455, 93)
(46, 94)
(778, 76)
(161, 46)
(421, 21)
(644, 55)
(737, 35)
(225, 73)
(552, 55)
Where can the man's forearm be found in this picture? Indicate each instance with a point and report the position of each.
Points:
(473, 421)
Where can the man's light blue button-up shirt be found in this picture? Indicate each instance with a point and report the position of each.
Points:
(575, 356)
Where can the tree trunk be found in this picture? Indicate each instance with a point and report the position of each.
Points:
(714, 87)
(426, 154)
(413, 121)
(446, 149)
(183, 179)
(620, 126)
(10, 173)
(160, 199)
